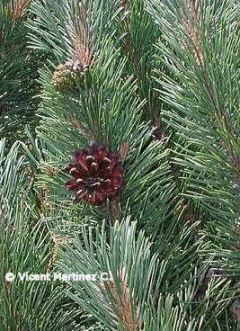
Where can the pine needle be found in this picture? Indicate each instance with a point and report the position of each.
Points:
(123, 302)
(17, 8)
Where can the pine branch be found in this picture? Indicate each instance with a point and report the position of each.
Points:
(17, 8)
(191, 22)
(195, 94)
(136, 35)
(118, 301)
(82, 39)
(123, 302)
(25, 249)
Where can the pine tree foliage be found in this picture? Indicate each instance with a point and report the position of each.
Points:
(102, 104)
(127, 275)
(203, 95)
(18, 70)
(25, 249)
(107, 112)
(169, 241)
(205, 123)
(136, 35)
(131, 286)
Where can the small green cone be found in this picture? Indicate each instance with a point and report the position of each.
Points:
(68, 77)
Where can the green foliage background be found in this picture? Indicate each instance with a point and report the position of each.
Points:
(175, 226)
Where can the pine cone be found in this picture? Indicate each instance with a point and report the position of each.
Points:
(70, 75)
(63, 78)
(98, 175)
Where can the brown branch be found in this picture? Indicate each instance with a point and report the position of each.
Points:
(17, 8)
(123, 303)
(59, 242)
(123, 3)
(81, 38)
(191, 24)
